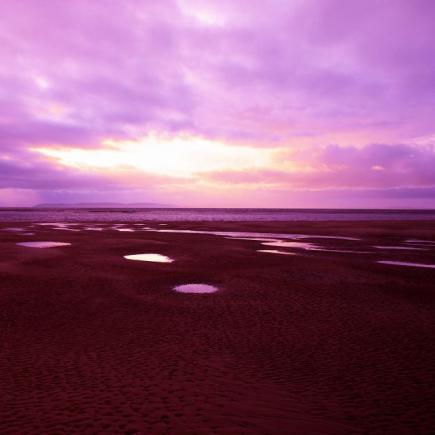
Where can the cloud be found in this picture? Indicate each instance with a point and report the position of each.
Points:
(288, 76)
(373, 166)
(18, 197)
(121, 68)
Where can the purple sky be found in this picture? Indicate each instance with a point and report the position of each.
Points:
(273, 103)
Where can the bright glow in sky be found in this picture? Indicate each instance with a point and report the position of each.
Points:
(176, 156)
(302, 103)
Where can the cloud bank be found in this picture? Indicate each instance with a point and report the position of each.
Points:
(328, 96)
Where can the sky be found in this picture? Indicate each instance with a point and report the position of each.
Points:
(218, 103)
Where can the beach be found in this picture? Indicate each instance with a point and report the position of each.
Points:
(319, 338)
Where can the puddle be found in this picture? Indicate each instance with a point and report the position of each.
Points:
(307, 246)
(331, 237)
(65, 229)
(400, 247)
(51, 223)
(27, 234)
(93, 229)
(272, 239)
(13, 229)
(247, 234)
(195, 288)
(299, 245)
(402, 263)
(65, 225)
(155, 258)
(125, 230)
(43, 244)
(275, 251)
(257, 239)
(419, 241)
(341, 251)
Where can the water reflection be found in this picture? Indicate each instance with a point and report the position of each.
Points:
(275, 251)
(155, 258)
(419, 241)
(248, 234)
(400, 248)
(403, 263)
(300, 245)
(43, 244)
(195, 288)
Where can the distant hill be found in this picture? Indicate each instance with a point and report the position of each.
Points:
(103, 205)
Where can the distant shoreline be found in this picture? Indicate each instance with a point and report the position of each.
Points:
(103, 205)
(171, 214)
(172, 207)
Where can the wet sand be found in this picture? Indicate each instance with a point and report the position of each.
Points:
(320, 342)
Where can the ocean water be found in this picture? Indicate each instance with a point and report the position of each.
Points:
(205, 214)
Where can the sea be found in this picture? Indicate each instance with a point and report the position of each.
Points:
(206, 214)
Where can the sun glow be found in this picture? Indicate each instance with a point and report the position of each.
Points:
(173, 156)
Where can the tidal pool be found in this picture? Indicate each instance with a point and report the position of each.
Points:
(155, 258)
(403, 263)
(400, 247)
(59, 225)
(195, 288)
(243, 234)
(285, 244)
(43, 244)
(275, 251)
(420, 241)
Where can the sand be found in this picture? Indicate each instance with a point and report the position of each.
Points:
(318, 342)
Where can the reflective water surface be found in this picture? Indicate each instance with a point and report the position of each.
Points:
(206, 214)
(43, 244)
(300, 245)
(155, 258)
(403, 263)
(195, 288)
(275, 251)
(400, 247)
(249, 234)
(419, 241)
